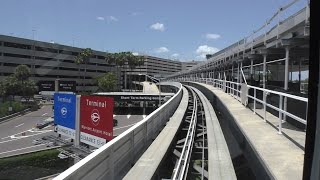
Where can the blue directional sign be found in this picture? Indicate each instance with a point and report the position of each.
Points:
(65, 114)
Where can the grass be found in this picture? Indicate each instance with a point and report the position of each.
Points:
(33, 165)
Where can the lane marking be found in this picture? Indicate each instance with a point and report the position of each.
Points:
(128, 116)
(21, 137)
(144, 116)
(16, 134)
(44, 114)
(19, 125)
(22, 148)
(124, 126)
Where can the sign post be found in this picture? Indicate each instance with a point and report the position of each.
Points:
(96, 120)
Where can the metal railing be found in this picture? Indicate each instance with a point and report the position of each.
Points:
(235, 90)
(114, 159)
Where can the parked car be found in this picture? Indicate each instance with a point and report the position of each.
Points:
(36, 141)
(115, 122)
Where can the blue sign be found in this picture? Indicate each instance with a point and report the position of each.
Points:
(65, 110)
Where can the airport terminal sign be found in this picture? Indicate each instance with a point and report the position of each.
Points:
(96, 120)
(69, 86)
(65, 114)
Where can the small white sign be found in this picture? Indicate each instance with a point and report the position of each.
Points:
(92, 140)
(66, 131)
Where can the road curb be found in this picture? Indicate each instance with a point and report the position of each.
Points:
(29, 152)
(17, 114)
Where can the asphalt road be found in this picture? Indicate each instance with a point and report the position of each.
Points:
(125, 122)
(16, 135)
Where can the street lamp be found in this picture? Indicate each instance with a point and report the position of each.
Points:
(154, 80)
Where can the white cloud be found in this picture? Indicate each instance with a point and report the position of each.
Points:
(100, 18)
(157, 26)
(135, 53)
(135, 13)
(212, 36)
(175, 55)
(205, 49)
(161, 50)
(112, 18)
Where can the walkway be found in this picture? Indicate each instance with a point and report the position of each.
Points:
(282, 157)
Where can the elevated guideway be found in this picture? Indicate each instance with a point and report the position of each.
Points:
(204, 155)
(187, 119)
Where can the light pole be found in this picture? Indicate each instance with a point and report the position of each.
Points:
(157, 80)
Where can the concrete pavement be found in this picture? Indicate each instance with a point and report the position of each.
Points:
(149, 87)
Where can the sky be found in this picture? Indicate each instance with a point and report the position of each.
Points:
(176, 29)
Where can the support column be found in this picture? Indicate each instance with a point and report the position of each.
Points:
(286, 78)
(238, 80)
(251, 71)
(241, 75)
(264, 70)
(264, 86)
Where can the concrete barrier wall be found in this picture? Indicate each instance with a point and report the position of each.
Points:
(114, 159)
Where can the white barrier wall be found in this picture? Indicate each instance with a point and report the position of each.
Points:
(114, 159)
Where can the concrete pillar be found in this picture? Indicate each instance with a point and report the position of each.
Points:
(286, 79)
(251, 71)
(300, 72)
(56, 85)
(241, 75)
(264, 70)
(232, 73)
(238, 74)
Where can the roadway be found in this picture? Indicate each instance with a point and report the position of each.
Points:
(17, 135)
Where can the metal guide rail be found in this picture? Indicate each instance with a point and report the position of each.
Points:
(191, 146)
(190, 149)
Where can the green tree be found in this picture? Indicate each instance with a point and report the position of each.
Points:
(2, 90)
(107, 82)
(84, 58)
(29, 89)
(12, 85)
(22, 73)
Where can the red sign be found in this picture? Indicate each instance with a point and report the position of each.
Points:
(96, 116)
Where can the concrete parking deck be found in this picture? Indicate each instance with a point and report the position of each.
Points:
(282, 158)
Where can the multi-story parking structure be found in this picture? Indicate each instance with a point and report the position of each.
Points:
(155, 67)
(51, 61)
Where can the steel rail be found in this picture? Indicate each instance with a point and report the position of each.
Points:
(181, 169)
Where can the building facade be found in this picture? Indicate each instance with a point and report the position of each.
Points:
(156, 67)
(51, 61)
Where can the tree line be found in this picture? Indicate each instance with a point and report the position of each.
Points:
(108, 81)
(18, 84)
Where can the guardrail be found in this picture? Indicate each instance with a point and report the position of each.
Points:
(3, 119)
(114, 159)
(240, 92)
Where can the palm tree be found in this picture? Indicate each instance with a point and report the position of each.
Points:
(84, 58)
